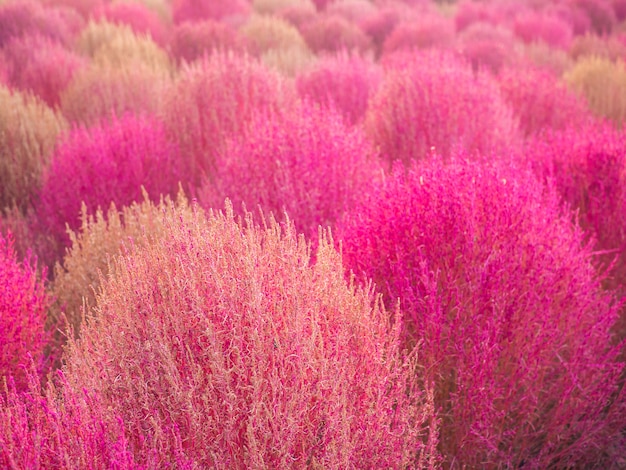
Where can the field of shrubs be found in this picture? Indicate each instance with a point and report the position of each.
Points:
(312, 234)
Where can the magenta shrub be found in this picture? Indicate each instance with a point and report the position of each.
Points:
(600, 13)
(332, 33)
(497, 289)
(104, 164)
(306, 162)
(434, 103)
(380, 24)
(425, 32)
(469, 12)
(487, 46)
(21, 17)
(541, 101)
(139, 17)
(215, 98)
(192, 40)
(532, 26)
(23, 306)
(41, 66)
(219, 10)
(345, 81)
(588, 166)
(224, 347)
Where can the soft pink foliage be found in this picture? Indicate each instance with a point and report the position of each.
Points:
(20, 17)
(380, 24)
(469, 12)
(498, 290)
(487, 46)
(219, 10)
(344, 81)
(297, 14)
(306, 162)
(23, 306)
(139, 17)
(224, 346)
(434, 102)
(588, 167)
(214, 99)
(42, 66)
(104, 164)
(423, 32)
(62, 429)
(192, 40)
(619, 7)
(600, 14)
(332, 33)
(534, 26)
(541, 101)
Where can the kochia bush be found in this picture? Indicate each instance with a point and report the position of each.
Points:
(306, 162)
(107, 163)
(222, 346)
(23, 306)
(435, 102)
(498, 289)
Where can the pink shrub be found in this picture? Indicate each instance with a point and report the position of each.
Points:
(192, 40)
(107, 163)
(600, 13)
(139, 17)
(497, 288)
(61, 428)
(344, 81)
(332, 33)
(41, 66)
(215, 98)
(222, 346)
(424, 32)
(352, 10)
(306, 162)
(23, 306)
(380, 24)
(298, 15)
(541, 101)
(588, 167)
(23, 17)
(219, 10)
(619, 7)
(534, 26)
(469, 12)
(487, 46)
(435, 103)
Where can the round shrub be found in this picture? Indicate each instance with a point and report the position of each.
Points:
(608, 47)
(244, 355)
(268, 32)
(533, 26)
(541, 101)
(497, 287)
(306, 163)
(219, 10)
(26, 17)
(107, 163)
(332, 33)
(192, 40)
(139, 17)
(487, 46)
(603, 84)
(214, 98)
(434, 102)
(23, 306)
(41, 66)
(423, 32)
(344, 81)
(28, 134)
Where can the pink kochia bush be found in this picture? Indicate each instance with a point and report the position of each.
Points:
(222, 346)
(434, 102)
(306, 162)
(214, 99)
(345, 81)
(541, 101)
(498, 289)
(139, 17)
(23, 306)
(588, 166)
(104, 164)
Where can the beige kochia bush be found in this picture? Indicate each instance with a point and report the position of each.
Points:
(28, 132)
(222, 346)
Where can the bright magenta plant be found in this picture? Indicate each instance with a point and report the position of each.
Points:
(23, 306)
(345, 81)
(223, 345)
(499, 292)
(541, 101)
(104, 164)
(307, 163)
(433, 102)
(214, 99)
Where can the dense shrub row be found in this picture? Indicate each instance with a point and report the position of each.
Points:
(397, 238)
